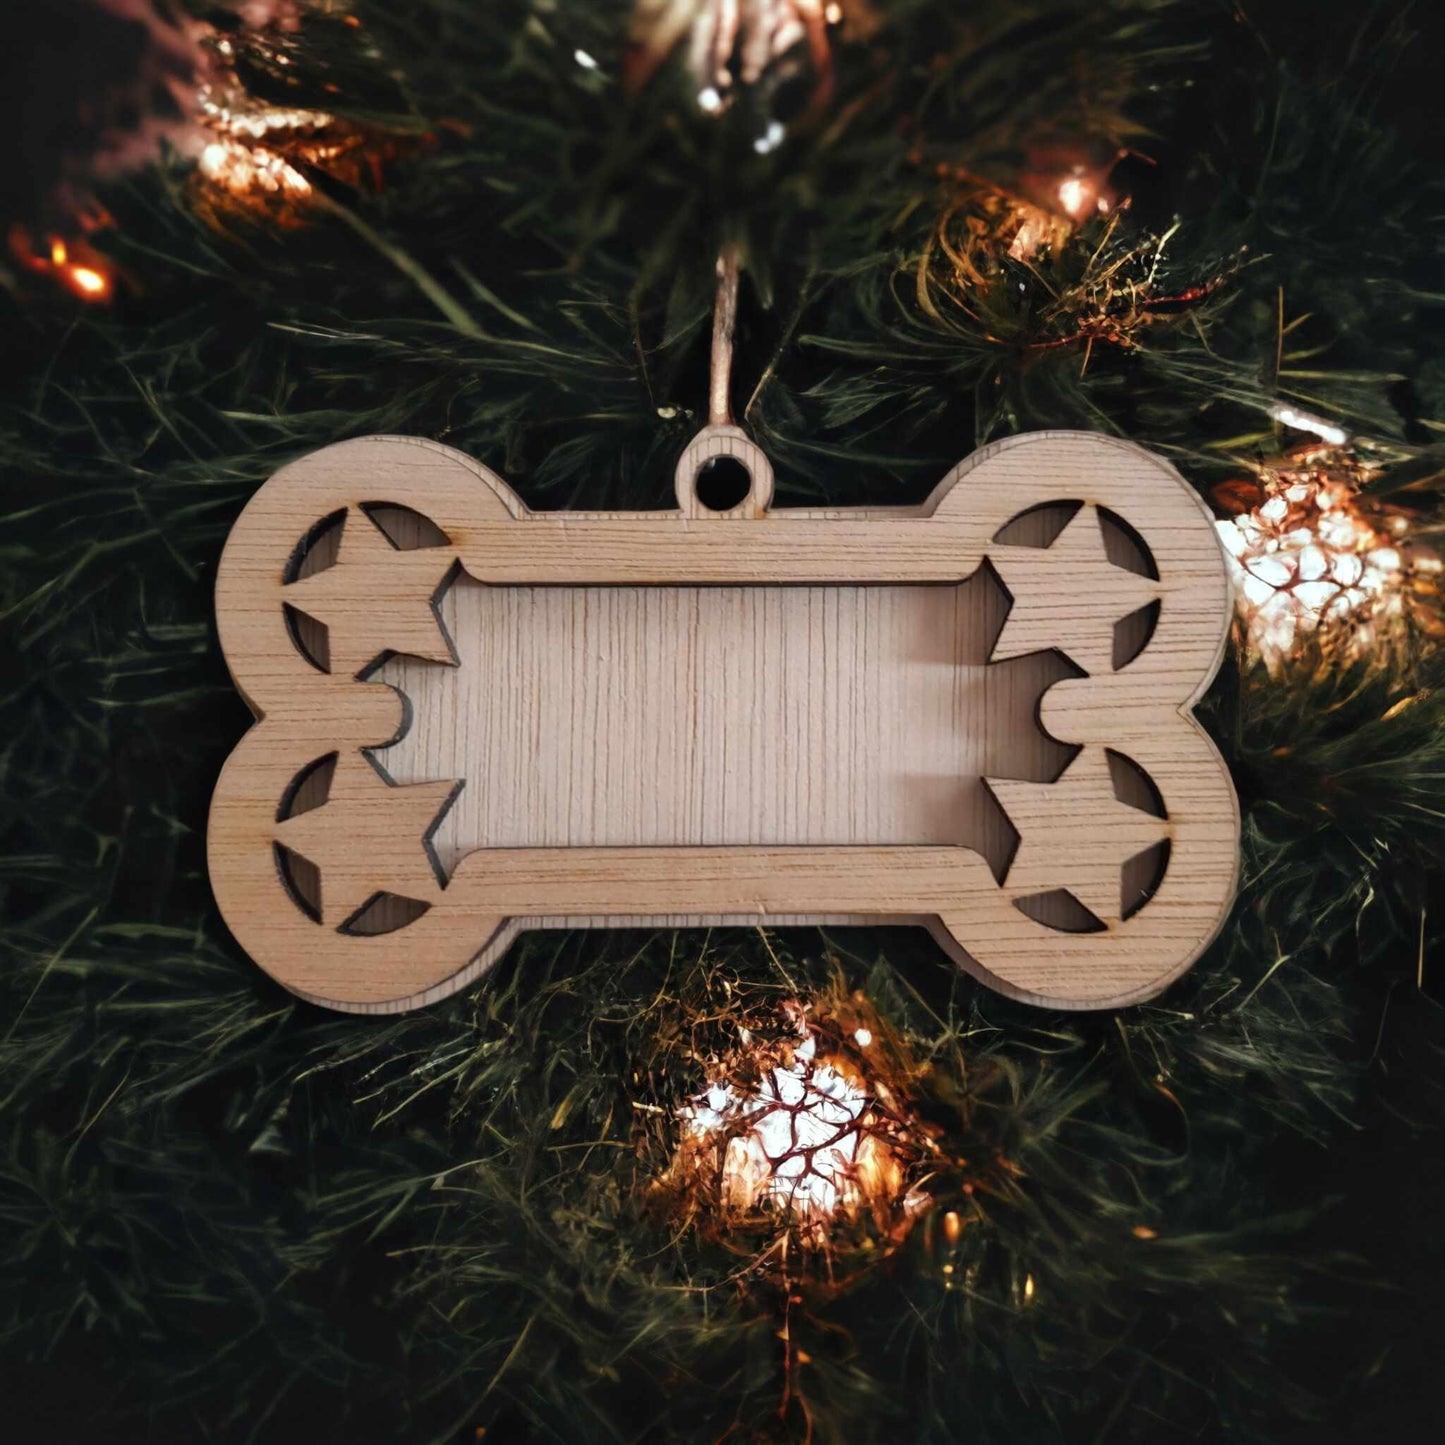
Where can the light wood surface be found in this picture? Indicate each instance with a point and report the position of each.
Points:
(972, 715)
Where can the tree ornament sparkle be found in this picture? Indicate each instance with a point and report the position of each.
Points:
(1052, 265)
(733, 46)
(260, 159)
(256, 156)
(983, 223)
(1312, 554)
(255, 176)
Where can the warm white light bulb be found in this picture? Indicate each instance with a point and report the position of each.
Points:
(1074, 196)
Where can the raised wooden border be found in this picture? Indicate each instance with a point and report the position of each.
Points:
(1142, 710)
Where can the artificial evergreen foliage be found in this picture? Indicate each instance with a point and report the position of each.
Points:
(228, 1215)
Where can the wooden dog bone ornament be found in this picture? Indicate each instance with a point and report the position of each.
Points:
(972, 714)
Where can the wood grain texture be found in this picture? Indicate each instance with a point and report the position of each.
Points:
(917, 715)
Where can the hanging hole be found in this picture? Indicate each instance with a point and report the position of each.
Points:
(723, 473)
(722, 483)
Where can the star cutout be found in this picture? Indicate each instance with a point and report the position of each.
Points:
(1068, 595)
(368, 837)
(1075, 834)
(376, 598)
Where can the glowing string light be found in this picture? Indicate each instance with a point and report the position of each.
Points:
(77, 266)
(1313, 554)
(1290, 416)
(803, 1142)
(91, 283)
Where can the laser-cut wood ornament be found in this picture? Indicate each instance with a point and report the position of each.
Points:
(972, 714)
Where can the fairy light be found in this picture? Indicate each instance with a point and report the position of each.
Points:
(1290, 416)
(1051, 198)
(770, 139)
(1036, 231)
(251, 170)
(1309, 555)
(1080, 195)
(242, 162)
(1074, 196)
(88, 282)
(801, 1141)
(805, 1142)
(729, 49)
(242, 120)
(798, 1139)
(75, 265)
(264, 160)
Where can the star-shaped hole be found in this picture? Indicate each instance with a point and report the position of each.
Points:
(377, 597)
(1071, 594)
(369, 837)
(1078, 836)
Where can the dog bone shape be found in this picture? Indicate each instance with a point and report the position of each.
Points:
(972, 714)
